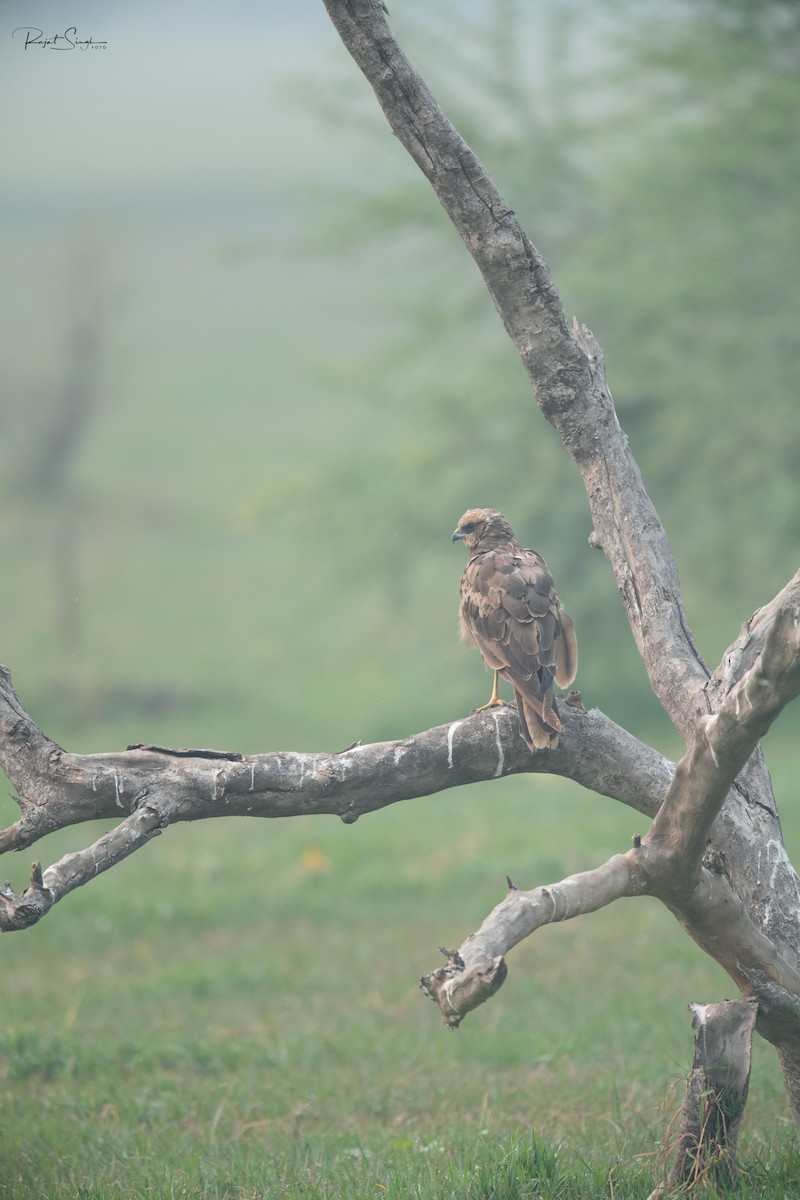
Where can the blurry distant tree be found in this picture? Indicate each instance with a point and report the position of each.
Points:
(713, 854)
(46, 430)
(61, 433)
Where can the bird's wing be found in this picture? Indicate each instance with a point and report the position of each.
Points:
(510, 611)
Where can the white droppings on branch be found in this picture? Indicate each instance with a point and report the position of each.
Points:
(700, 1012)
(51, 878)
(447, 995)
(553, 892)
(707, 724)
(771, 846)
(501, 758)
(450, 735)
(777, 861)
(754, 681)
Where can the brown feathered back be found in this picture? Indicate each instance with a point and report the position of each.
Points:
(511, 612)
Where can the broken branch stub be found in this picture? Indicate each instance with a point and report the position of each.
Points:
(457, 988)
(716, 1093)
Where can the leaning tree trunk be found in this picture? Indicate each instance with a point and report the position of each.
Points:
(565, 366)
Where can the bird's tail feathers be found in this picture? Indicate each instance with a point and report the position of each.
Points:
(539, 725)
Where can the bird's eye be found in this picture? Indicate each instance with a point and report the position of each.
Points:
(468, 528)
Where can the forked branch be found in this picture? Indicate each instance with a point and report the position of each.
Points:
(668, 862)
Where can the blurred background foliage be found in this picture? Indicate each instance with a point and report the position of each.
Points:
(237, 429)
(250, 381)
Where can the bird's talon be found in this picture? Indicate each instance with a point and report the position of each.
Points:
(495, 703)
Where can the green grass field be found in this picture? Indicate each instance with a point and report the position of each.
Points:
(235, 1013)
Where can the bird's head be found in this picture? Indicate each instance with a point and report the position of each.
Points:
(483, 527)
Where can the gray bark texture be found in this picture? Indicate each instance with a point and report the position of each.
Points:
(714, 851)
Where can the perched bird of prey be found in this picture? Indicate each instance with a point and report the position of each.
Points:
(510, 611)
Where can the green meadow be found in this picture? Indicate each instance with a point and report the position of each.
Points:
(235, 1012)
(242, 541)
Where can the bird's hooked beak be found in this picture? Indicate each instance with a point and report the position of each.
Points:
(458, 536)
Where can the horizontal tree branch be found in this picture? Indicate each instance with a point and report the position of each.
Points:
(713, 915)
(47, 888)
(151, 788)
(476, 970)
(146, 789)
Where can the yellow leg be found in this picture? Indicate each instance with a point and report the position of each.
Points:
(494, 700)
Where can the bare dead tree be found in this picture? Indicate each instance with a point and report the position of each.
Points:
(713, 854)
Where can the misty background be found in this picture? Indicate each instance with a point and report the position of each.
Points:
(249, 381)
(251, 378)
